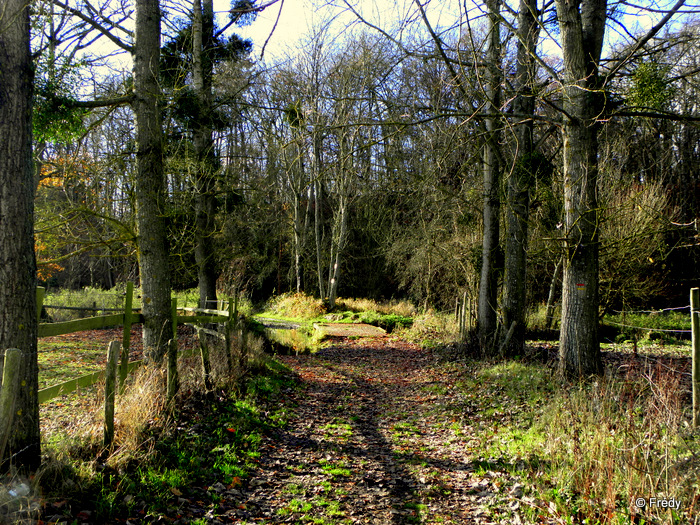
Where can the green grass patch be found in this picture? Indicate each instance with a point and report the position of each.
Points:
(587, 449)
(335, 470)
(338, 430)
(672, 320)
(61, 359)
(211, 440)
(302, 340)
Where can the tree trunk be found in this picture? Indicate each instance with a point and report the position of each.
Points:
(582, 28)
(318, 207)
(318, 217)
(340, 240)
(150, 184)
(298, 243)
(488, 290)
(520, 181)
(18, 315)
(205, 203)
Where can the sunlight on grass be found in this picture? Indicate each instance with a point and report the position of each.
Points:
(62, 358)
(589, 449)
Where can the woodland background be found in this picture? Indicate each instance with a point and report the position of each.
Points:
(389, 157)
(361, 152)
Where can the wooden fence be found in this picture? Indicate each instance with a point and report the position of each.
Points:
(695, 325)
(118, 352)
(126, 318)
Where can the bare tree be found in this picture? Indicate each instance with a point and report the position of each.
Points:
(582, 27)
(521, 178)
(488, 289)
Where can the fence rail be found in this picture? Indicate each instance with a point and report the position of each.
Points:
(88, 323)
(84, 308)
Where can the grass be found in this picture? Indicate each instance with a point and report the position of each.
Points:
(84, 298)
(88, 297)
(665, 328)
(307, 309)
(72, 355)
(335, 470)
(586, 451)
(152, 461)
(342, 431)
(398, 308)
(298, 340)
(297, 306)
(64, 357)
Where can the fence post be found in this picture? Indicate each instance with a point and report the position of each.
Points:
(40, 293)
(244, 344)
(228, 329)
(8, 395)
(459, 316)
(470, 315)
(695, 323)
(173, 314)
(110, 383)
(126, 338)
(465, 309)
(204, 351)
(173, 379)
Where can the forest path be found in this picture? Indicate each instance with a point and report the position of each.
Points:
(373, 437)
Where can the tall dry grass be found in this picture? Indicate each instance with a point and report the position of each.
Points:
(613, 441)
(393, 307)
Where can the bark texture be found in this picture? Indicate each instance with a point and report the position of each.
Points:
(205, 206)
(150, 182)
(488, 288)
(582, 27)
(520, 181)
(18, 316)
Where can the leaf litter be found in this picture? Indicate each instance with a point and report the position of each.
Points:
(369, 440)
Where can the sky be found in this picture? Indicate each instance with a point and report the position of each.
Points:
(298, 17)
(295, 19)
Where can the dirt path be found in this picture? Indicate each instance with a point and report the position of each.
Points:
(367, 442)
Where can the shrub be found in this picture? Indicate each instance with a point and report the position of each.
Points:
(399, 308)
(296, 305)
(86, 298)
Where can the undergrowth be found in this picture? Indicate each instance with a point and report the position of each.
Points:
(204, 438)
(84, 298)
(295, 306)
(587, 452)
(308, 309)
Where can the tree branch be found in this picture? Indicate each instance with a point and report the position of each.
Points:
(95, 25)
